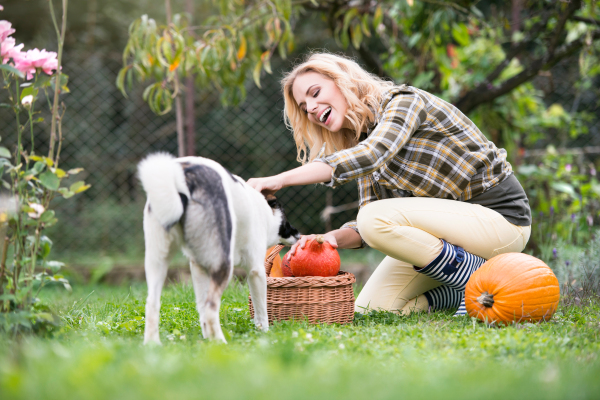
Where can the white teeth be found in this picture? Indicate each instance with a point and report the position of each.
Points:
(325, 114)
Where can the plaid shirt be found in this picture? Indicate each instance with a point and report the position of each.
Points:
(420, 146)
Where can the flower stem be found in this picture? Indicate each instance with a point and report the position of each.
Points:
(61, 40)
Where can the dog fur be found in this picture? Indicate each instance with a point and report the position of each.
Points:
(219, 222)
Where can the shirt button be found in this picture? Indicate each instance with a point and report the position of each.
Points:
(376, 176)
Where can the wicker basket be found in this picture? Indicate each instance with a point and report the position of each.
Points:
(319, 299)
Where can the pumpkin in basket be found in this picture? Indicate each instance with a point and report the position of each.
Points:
(512, 287)
(285, 265)
(276, 271)
(317, 258)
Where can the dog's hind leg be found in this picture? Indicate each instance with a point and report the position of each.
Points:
(209, 316)
(257, 282)
(158, 243)
(201, 282)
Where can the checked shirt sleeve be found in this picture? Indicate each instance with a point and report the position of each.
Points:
(399, 119)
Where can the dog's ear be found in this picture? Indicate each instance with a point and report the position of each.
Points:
(272, 201)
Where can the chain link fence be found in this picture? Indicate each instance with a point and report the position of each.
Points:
(107, 134)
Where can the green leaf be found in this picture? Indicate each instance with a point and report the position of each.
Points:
(356, 36)
(74, 171)
(47, 216)
(50, 180)
(12, 70)
(66, 193)
(564, 188)
(64, 79)
(29, 91)
(37, 168)
(76, 186)
(414, 39)
(55, 265)
(4, 152)
(460, 33)
(60, 173)
(377, 18)
(256, 73)
(348, 18)
(42, 81)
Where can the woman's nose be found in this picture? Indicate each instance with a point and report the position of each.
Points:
(311, 107)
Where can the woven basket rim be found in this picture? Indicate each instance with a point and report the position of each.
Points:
(341, 279)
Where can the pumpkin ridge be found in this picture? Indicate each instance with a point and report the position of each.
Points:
(525, 307)
(523, 291)
(513, 277)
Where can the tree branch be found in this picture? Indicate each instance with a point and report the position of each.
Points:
(373, 62)
(483, 94)
(516, 50)
(586, 20)
(560, 26)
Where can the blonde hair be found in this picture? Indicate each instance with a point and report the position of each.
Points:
(362, 91)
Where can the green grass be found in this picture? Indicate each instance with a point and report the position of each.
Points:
(97, 353)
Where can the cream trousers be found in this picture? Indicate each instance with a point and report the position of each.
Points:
(408, 232)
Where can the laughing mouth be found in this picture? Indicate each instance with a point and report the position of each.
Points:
(325, 114)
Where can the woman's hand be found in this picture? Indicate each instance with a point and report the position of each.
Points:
(267, 185)
(305, 238)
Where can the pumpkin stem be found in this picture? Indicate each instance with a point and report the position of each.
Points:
(486, 299)
(320, 239)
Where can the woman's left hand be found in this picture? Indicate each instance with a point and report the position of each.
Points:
(329, 237)
(267, 185)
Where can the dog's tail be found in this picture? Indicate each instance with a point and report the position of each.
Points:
(164, 182)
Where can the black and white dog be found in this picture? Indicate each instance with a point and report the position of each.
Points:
(219, 222)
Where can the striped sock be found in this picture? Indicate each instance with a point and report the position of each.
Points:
(462, 310)
(453, 266)
(444, 298)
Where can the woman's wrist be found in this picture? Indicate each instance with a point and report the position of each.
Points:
(346, 238)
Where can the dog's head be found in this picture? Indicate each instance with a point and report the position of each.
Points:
(288, 235)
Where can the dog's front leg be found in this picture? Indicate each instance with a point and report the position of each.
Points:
(257, 281)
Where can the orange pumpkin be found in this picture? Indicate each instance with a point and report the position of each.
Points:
(512, 287)
(317, 258)
(285, 265)
(276, 271)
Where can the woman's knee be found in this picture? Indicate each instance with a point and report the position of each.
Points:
(377, 218)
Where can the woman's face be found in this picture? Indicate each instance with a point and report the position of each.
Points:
(322, 101)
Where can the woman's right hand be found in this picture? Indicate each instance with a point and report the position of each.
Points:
(305, 238)
(267, 185)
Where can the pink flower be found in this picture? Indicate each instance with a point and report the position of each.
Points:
(36, 59)
(9, 50)
(5, 30)
(568, 167)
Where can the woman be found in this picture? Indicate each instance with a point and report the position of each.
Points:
(435, 195)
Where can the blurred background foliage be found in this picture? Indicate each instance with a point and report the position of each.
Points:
(526, 72)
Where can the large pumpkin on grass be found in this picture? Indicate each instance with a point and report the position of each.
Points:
(512, 287)
(317, 258)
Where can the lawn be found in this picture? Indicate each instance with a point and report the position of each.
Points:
(97, 353)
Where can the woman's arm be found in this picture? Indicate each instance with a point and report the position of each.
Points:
(315, 172)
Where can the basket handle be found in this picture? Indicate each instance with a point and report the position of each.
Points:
(271, 256)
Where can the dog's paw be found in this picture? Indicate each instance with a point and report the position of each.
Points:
(263, 327)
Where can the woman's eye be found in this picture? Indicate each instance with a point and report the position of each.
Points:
(304, 110)
(316, 93)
